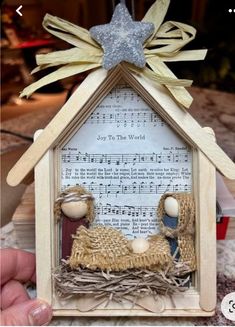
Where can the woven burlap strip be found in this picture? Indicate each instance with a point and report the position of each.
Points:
(187, 251)
(107, 248)
(78, 191)
(185, 229)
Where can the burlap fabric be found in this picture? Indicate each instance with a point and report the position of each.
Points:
(106, 248)
(185, 229)
(77, 191)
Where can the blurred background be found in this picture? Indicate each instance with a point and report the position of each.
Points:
(23, 37)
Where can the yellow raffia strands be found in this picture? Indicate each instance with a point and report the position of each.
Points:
(159, 78)
(62, 72)
(155, 15)
(178, 92)
(164, 45)
(69, 56)
(73, 34)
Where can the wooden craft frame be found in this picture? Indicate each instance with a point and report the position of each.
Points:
(199, 300)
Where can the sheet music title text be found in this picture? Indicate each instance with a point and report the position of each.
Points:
(119, 137)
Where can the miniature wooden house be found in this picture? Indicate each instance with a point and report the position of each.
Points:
(128, 142)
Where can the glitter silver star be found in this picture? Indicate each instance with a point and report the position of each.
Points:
(122, 39)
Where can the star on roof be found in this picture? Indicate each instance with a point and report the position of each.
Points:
(122, 39)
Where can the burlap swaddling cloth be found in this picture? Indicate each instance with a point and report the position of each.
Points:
(106, 248)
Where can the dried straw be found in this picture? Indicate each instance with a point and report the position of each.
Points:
(117, 285)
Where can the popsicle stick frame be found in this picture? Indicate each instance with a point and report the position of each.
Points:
(200, 299)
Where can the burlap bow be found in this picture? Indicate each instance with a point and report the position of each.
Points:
(164, 45)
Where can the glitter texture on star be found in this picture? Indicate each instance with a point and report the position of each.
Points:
(122, 39)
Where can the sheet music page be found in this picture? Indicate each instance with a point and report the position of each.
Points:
(127, 156)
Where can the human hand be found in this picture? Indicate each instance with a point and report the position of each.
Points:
(17, 309)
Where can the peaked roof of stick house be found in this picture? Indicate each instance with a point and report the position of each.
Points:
(89, 94)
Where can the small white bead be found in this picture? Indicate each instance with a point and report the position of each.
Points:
(74, 210)
(139, 245)
(171, 206)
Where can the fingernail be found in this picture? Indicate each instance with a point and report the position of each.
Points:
(40, 315)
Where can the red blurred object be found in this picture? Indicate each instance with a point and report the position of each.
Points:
(221, 228)
(34, 43)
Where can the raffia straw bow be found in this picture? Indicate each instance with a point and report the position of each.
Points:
(164, 45)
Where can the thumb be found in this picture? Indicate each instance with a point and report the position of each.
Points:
(28, 313)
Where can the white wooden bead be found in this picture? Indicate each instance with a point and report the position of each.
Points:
(171, 206)
(139, 245)
(75, 210)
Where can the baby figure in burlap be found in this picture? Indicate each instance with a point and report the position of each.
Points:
(176, 214)
(107, 248)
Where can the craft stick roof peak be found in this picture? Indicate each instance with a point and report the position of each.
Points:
(150, 41)
(93, 86)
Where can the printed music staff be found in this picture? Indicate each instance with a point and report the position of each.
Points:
(133, 211)
(118, 159)
(134, 188)
(125, 119)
